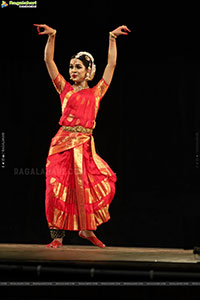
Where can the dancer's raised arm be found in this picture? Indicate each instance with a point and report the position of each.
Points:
(112, 52)
(49, 49)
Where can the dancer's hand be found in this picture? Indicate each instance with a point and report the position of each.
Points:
(47, 30)
(121, 30)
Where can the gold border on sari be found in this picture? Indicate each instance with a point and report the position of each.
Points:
(62, 220)
(78, 169)
(63, 142)
(59, 83)
(67, 96)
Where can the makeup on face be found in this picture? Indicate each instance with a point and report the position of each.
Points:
(77, 70)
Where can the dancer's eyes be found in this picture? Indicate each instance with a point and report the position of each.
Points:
(77, 66)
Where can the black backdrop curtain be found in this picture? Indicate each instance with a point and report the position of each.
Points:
(146, 124)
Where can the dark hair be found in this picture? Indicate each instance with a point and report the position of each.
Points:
(85, 60)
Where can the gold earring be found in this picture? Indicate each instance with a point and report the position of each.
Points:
(87, 76)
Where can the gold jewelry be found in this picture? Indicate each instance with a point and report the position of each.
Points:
(112, 35)
(77, 129)
(53, 33)
(87, 76)
(79, 88)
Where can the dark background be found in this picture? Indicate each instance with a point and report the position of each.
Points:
(145, 127)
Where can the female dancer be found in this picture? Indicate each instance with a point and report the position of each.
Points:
(79, 184)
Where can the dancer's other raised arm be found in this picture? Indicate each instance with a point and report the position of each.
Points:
(49, 49)
(112, 52)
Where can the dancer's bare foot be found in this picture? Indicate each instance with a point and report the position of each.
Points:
(56, 243)
(87, 234)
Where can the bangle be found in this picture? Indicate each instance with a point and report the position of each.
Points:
(113, 35)
(53, 33)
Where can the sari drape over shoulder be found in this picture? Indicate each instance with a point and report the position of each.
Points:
(79, 183)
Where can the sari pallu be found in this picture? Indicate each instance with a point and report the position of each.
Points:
(79, 184)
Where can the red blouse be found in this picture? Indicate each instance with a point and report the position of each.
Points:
(79, 108)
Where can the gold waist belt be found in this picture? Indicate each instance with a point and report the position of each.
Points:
(77, 129)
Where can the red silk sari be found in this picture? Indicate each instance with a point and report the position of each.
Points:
(79, 184)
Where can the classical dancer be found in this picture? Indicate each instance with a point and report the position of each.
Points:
(79, 184)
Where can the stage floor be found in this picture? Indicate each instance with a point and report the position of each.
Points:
(39, 253)
(89, 260)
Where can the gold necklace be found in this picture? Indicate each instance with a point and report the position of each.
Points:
(79, 88)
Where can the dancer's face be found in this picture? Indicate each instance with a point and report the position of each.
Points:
(77, 70)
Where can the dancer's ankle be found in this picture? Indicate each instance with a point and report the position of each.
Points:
(87, 233)
(60, 240)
